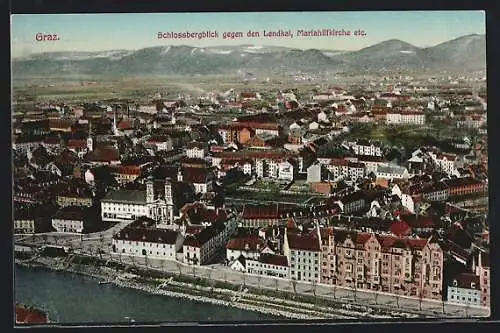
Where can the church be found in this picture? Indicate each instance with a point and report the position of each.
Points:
(154, 203)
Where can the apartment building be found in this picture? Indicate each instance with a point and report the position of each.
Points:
(408, 266)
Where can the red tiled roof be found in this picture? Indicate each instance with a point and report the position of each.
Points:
(400, 228)
(195, 175)
(126, 170)
(421, 222)
(51, 140)
(72, 143)
(306, 242)
(60, 123)
(291, 224)
(417, 243)
(261, 212)
(256, 125)
(194, 229)
(103, 154)
(251, 241)
(362, 238)
(125, 124)
(273, 259)
(147, 234)
(254, 154)
(191, 240)
(467, 280)
(248, 95)
(198, 213)
(449, 157)
(386, 241)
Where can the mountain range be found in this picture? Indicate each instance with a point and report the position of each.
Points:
(466, 53)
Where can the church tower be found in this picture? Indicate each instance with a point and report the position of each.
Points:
(168, 192)
(115, 126)
(90, 141)
(150, 195)
(169, 200)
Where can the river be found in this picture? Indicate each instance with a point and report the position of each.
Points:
(74, 299)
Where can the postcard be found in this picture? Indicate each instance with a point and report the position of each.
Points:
(187, 167)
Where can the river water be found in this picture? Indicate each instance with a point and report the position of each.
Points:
(74, 299)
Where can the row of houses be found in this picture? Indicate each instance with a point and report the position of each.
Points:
(195, 245)
(373, 261)
(68, 219)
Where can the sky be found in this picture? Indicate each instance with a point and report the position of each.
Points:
(98, 32)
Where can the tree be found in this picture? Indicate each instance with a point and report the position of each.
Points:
(179, 267)
(314, 284)
(208, 273)
(294, 285)
(212, 285)
(397, 297)
(259, 278)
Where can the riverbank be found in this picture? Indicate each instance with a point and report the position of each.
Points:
(278, 304)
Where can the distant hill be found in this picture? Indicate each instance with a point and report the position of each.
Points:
(463, 53)
(467, 52)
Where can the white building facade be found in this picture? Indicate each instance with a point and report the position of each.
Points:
(268, 268)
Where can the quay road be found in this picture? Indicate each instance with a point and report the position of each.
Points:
(72, 239)
(346, 295)
(92, 244)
